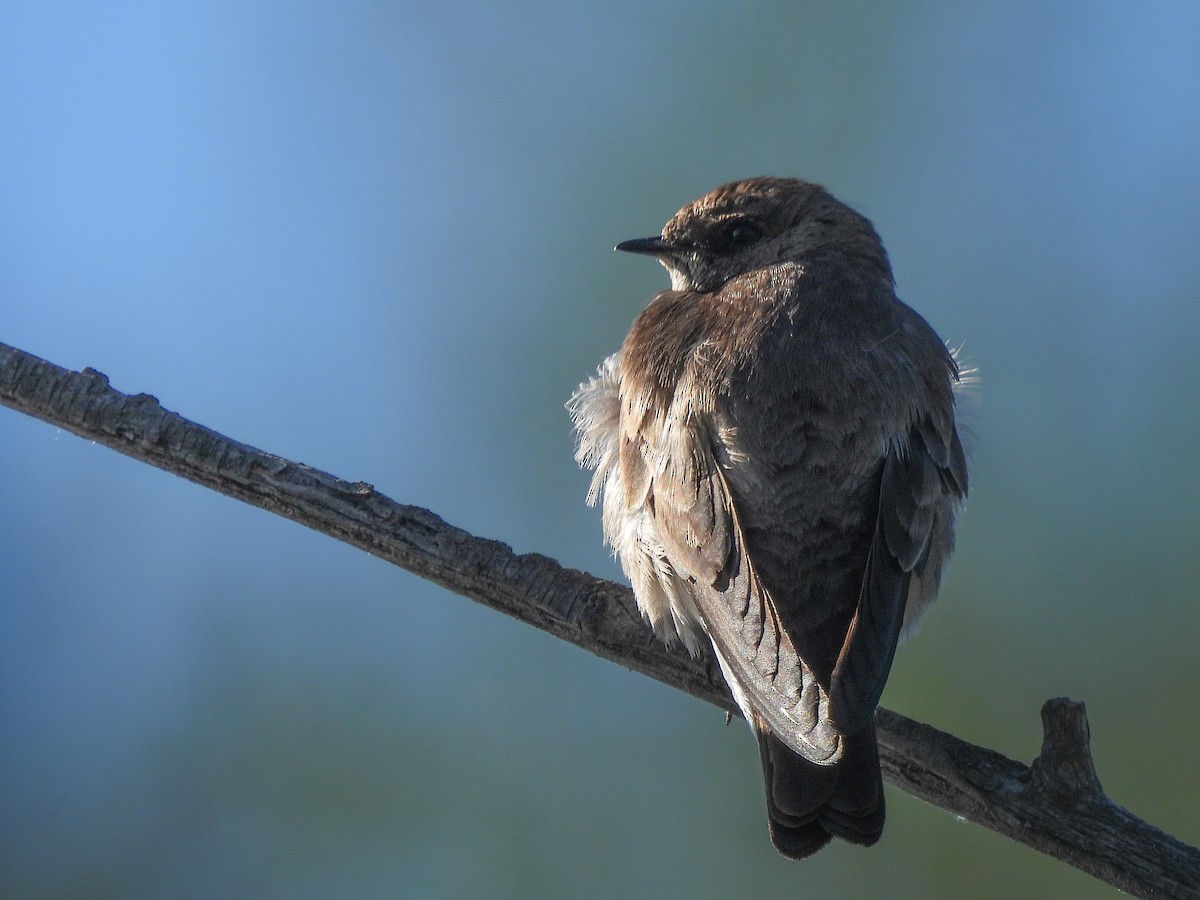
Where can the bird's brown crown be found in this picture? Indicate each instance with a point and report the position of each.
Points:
(748, 225)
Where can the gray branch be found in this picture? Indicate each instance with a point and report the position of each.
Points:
(1055, 805)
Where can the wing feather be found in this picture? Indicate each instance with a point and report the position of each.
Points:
(695, 517)
(921, 482)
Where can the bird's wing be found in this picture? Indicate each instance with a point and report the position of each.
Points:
(672, 462)
(922, 480)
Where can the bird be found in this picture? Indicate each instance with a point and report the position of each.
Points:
(777, 450)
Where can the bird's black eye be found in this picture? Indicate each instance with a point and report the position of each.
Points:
(736, 234)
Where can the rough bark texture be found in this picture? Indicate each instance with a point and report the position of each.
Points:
(1056, 805)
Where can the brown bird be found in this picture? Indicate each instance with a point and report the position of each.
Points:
(778, 456)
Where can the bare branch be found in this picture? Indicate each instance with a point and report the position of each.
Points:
(1056, 805)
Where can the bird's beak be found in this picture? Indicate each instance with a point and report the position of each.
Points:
(651, 246)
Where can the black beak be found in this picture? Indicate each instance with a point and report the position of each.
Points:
(651, 246)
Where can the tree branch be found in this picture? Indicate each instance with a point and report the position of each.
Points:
(1055, 806)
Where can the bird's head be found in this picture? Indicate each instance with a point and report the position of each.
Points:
(748, 225)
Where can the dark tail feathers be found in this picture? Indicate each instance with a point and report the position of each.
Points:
(809, 804)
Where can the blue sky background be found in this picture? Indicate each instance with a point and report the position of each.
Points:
(376, 238)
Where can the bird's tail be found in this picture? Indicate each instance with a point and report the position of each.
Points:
(808, 804)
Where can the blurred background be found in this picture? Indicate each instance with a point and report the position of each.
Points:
(376, 238)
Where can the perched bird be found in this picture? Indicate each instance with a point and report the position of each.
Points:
(776, 448)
